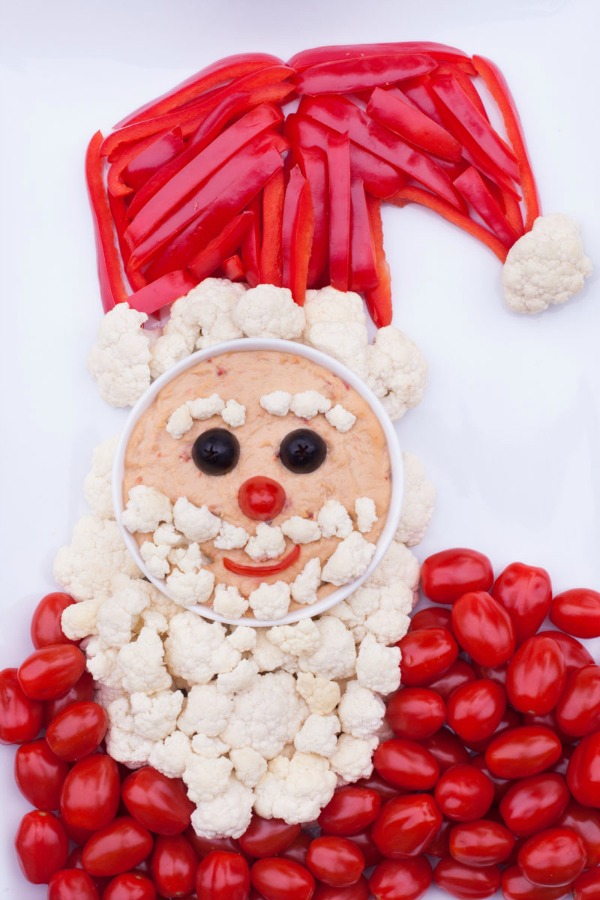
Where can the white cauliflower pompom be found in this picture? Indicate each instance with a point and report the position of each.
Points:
(546, 266)
(119, 616)
(267, 311)
(156, 558)
(206, 711)
(206, 778)
(308, 404)
(301, 530)
(417, 503)
(336, 325)
(353, 758)
(270, 601)
(267, 543)
(318, 735)
(119, 361)
(197, 523)
(171, 755)
(243, 638)
(180, 422)
(189, 588)
(229, 602)
(277, 403)
(334, 520)
(249, 765)
(300, 639)
(366, 514)
(234, 414)
(398, 564)
(227, 815)
(239, 679)
(336, 654)
(378, 667)
(155, 715)
(141, 665)
(397, 371)
(196, 650)
(296, 789)
(349, 560)
(360, 711)
(231, 537)
(306, 584)
(341, 418)
(146, 509)
(208, 306)
(97, 487)
(321, 695)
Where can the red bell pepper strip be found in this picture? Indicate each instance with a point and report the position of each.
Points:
(251, 244)
(424, 198)
(379, 298)
(157, 154)
(214, 75)
(220, 248)
(513, 213)
(496, 84)
(202, 167)
(347, 75)
(112, 287)
(456, 108)
(297, 234)
(115, 182)
(259, 571)
(233, 268)
(417, 92)
(313, 164)
(403, 118)
(339, 177)
(271, 262)
(162, 292)
(119, 213)
(440, 52)
(223, 196)
(342, 115)
(363, 267)
(475, 191)
(470, 90)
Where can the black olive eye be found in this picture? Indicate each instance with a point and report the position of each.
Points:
(216, 451)
(302, 451)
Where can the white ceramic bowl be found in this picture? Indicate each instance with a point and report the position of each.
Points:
(327, 362)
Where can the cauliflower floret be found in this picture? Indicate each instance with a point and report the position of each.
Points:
(127, 747)
(234, 414)
(318, 735)
(321, 695)
(206, 711)
(227, 815)
(187, 559)
(334, 520)
(229, 602)
(119, 361)
(336, 655)
(119, 615)
(267, 656)
(206, 777)
(210, 747)
(171, 755)
(79, 620)
(353, 758)
(270, 601)
(167, 534)
(171, 347)
(366, 514)
(546, 266)
(268, 542)
(97, 487)
(378, 666)
(267, 311)
(330, 305)
(397, 371)
(189, 588)
(231, 537)
(305, 585)
(361, 711)
(155, 716)
(86, 566)
(197, 523)
(196, 650)
(336, 325)
(141, 664)
(146, 509)
(296, 789)
(277, 403)
(301, 530)
(243, 638)
(349, 561)
(202, 408)
(208, 306)
(398, 564)
(180, 422)
(308, 404)
(300, 639)
(341, 418)
(239, 679)
(267, 716)
(417, 502)
(156, 558)
(390, 622)
(249, 765)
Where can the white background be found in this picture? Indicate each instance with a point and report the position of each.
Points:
(509, 428)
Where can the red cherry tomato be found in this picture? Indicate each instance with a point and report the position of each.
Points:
(376, 783)
(465, 881)
(516, 887)
(72, 884)
(42, 846)
(267, 837)
(583, 773)
(534, 804)
(577, 612)
(298, 848)
(20, 717)
(223, 875)
(464, 793)
(261, 498)
(277, 879)
(459, 673)
(401, 879)
(587, 886)
(406, 826)
(431, 617)
(82, 691)
(364, 842)
(447, 575)
(523, 751)
(78, 730)
(129, 886)
(40, 774)
(45, 622)
(426, 654)
(483, 628)
(509, 722)
(357, 891)
(525, 592)
(51, 671)
(158, 803)
(350, 810)
(406, 764)
(575, 654)
(173, 866)
(501, 785)
(90, 794)
(335, 860)
(586, 822)
(447, 749)
(120, 846)
(536, 676)
(416, 713)
(553, 858)
(578, 710)
(475, 710)
(481, 843)
(203, 846)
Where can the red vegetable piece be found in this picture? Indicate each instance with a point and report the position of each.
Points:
(72, 884)
(465, 881)
(440, 845)
(203, 846)
(349, 75)
(553, 858)
(364, 841)
(522, 752)
(118, 847)
(483, 628)
(379, 298)
(464, 793)
(90, 795)
(480, 197)
(20, 717)
(578, 710)
(267, 837)
(173, 866)
(447, 749)
(338, 163)
(271, 261)
(415, 713)
(431, 617)
(40, 774)
(221, 247)
(525, 592)
(284, 563)
(163, 291)
(313, 164)
(509, 722)
(426, 655)
(233, 268)
(396, 112)
(586, 822)
(458, 674)
(77, 731)
(406, 826)
(350, 811)
(587, 886)
(278, 879)
(250, 246)
(45, 622)
(129, 886)
(51, 671)
(42, 846)
(577, 612)
(441, 52)
(82, 690)
(536, 675)
(475, 709)
(335, 860)
(363, 271)
(535, 803)
(406, 764)
(447, 575)
(158, 803)
(298, 849)
(297, 234)
(516, 887)
(583, 773)
(154, 156)
(357, 891)
(481, 843)
(576, 656)
(401, 879)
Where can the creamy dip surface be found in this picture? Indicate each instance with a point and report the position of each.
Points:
(357, 462)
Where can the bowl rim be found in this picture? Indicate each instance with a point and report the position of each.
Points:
(327, 362)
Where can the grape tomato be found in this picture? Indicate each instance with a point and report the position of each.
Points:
(223, 875)
(525, 592)
(431, 617)
(406, 826)
(276, 879)
(51, 671)
(416, 713)
(466, 881)
(42, 846)
(445, 576)
(536, 675)
(406, 764)
(78, 730)
(72, 884)
(46, 620)
(578, 710)
(158, 803)
(350, 810)
(577, 612)
(533, 804)
(483, 628)
(553, 858)
(481, 843)
(475, 710)
(335, 861)
(173, 866)
(401, 879)
(426, 654)
(40, 774)
(91, 793)
(464, 793)
(128, 886)
(516, 887)
(118, 847)
(521, 752)
(21, 718)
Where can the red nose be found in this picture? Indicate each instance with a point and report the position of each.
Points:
(261, 498)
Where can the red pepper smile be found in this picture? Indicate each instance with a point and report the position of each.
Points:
(284, 563)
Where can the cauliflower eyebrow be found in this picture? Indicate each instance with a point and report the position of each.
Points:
(307, 405)
(182, 419)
